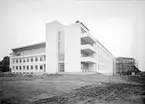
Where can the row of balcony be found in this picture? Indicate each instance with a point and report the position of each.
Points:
(88, 48)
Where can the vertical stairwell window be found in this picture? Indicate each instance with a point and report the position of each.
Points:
(61, 53)
(61, 46)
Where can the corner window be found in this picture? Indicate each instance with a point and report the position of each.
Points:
(41, 58)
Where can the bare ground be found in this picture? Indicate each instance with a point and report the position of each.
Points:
(71, 89)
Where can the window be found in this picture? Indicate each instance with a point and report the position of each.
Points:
(36, 59)
(17, 67)
(41, 58)
(23, 59)
(27, 59)
(27, 67)
(36, 67)
(20, 60)
(31, 67)
(31, 59)
(20, 67)
(60, 35)
(16, 60)
(59, 47)
(60, 57)
(44, 57)
(13, 67)
(24, 67)
(41, 67)
(18, 54)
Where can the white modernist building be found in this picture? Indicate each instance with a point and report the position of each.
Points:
(68, 48)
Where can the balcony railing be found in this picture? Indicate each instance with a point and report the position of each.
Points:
(88, 38)
(88, 59)
(88, 48)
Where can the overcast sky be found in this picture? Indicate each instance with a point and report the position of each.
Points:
(119, 26)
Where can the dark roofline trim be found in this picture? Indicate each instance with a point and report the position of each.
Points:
(82, 24)
(104, 47)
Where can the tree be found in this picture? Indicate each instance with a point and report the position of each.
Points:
(4, 64)
(1, 66)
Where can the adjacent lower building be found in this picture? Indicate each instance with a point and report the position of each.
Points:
(68, 48)
(125, 66)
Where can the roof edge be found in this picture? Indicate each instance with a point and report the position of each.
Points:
(28, 45)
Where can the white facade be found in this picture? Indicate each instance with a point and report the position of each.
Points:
(69, 49)
(28, 59)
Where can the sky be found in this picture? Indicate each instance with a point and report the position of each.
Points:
(119, 25)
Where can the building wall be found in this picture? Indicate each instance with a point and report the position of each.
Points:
(72, 48)
(104, 59)
(28, 62)
(52, 46)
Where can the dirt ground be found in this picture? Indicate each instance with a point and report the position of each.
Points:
(71, 89)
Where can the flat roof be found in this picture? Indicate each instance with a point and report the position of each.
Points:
(36, 44)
